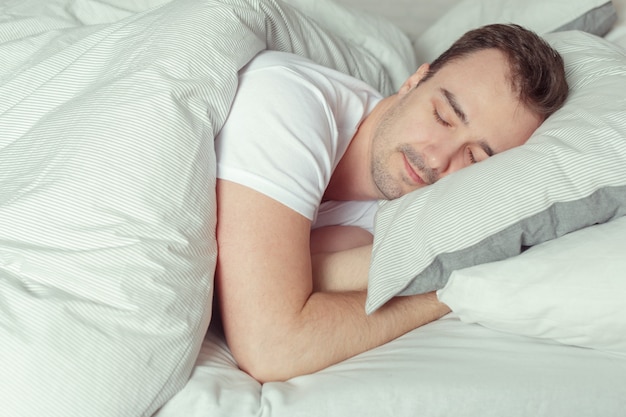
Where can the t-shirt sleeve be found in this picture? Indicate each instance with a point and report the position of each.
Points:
(278, 138)
(347, 213)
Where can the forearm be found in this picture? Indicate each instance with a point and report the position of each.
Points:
(341, 271)
(347, 330)
(332, 327)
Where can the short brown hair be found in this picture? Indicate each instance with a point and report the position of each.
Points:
(537, 70)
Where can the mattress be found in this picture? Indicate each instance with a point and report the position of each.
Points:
(444, 368)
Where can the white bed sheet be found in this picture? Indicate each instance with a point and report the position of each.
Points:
(446, 368)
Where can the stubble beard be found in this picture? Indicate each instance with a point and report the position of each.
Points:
(388, 186)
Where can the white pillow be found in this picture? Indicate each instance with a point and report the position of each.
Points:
(541, 16)
(570, 174)
(570, 289)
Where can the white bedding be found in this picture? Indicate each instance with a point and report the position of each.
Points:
(77, 359)
(447, 368)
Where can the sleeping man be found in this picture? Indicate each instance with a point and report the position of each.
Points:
(302, 160)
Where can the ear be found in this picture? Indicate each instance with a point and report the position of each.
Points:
(414, 79)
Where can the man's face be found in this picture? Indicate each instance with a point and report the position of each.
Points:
(463, 114)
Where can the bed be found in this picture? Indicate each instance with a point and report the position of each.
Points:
(107, 246)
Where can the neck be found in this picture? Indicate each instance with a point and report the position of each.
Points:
(351, 178)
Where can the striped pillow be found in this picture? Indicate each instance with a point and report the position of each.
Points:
(571, 174)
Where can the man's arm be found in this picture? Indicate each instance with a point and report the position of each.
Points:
(276, 326)
(339, 238)
(345, 270)
(341, 258)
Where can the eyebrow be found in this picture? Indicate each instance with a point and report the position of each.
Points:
(451, 99)
(456, 107)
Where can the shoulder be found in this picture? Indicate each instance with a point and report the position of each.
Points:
(287, 82)
(281, 136)
(284, 97)
(289, 124)
(288, 72)
(302, 96)
(278, 62)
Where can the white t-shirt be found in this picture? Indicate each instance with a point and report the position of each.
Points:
(289, 125)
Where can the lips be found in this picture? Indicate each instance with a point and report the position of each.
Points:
(411, 172)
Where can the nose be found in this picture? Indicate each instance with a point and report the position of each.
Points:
(445, 156)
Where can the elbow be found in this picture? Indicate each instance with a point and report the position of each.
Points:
(263, 368)
(261, 371)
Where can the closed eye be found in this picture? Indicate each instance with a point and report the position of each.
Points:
(471, 156)
(439, 119)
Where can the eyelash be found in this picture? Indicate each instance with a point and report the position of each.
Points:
(471, 156)
(444, 123)
(439, 119)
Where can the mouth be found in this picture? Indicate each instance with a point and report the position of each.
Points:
(412, 173)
